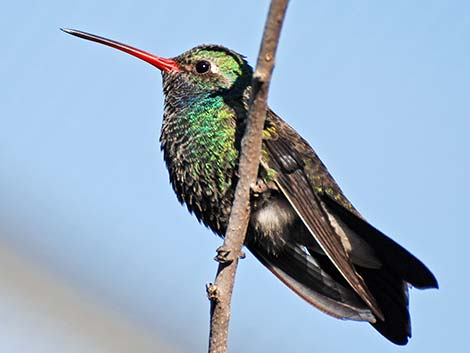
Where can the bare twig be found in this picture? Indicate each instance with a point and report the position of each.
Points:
(220, 292)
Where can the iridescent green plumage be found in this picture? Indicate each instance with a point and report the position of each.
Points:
(201, 132)
(302, 227)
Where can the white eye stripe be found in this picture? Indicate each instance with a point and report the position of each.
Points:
(214, 68)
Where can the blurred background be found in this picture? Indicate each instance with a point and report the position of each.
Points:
(96, 254)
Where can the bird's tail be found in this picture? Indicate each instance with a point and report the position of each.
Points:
(315, 279)
(389, 283)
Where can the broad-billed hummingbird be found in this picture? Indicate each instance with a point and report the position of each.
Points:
(302, 227)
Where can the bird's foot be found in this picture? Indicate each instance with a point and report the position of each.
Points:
(225, 255)
(258, 188)
(212, 292)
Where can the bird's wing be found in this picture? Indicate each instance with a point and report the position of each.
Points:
(287, 162)
(300, 272)
(391, 254)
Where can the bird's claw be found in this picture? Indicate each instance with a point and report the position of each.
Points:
(225, 255)
(212, 292)
(258, 188)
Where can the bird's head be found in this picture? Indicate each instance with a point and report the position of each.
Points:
(203, 70)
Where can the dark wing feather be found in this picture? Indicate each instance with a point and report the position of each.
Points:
(297, 269)
(391, 293)
(286, 161)
(403, 263)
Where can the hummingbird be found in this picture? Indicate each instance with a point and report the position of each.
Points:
(302, 227)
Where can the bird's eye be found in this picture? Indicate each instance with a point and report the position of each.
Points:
(202, 66)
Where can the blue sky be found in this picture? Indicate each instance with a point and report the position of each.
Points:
(87, 216)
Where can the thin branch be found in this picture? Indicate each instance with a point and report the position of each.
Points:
(220, 292)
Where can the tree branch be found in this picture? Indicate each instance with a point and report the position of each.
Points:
(220, 292)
